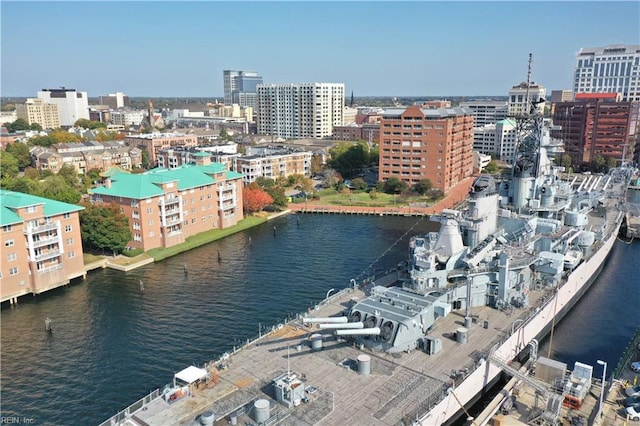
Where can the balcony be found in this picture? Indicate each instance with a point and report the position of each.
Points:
(48, 255)
(44, 241)
(170, 201)
(227, 206)
(172, 221)
(227, 196)
(42, 227)
(54, 267)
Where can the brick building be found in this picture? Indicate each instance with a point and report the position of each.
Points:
(154, 142)
(595, 124)
(165, 206)
(41, 244)
(356, 132)
(434, 144)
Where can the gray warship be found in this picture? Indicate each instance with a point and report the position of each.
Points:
(477, 294)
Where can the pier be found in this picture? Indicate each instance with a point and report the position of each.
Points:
(632, 215)
(453, 198)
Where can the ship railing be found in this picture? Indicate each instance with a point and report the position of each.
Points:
(124, 415)
(296, 317)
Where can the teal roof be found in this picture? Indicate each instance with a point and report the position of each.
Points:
(11, 201)
(507, 121)
(146, 185)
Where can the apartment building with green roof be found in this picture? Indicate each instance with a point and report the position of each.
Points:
(41, 244)
(165, 206)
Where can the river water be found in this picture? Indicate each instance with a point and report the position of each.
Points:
(112, 344)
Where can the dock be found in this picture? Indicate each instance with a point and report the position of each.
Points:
(632, 215)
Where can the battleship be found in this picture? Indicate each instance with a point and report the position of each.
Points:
(476, 296)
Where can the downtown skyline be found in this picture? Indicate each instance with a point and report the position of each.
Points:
(375, 48)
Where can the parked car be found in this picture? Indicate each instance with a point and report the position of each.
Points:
(633, 390)
(311, 390)
(635, 366)
(634, 413)
(631, 400)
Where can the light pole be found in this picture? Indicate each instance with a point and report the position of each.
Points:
(604, 375)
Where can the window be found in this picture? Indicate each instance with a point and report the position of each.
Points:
(150, 221)
(149, 210)
(72, 254)
(13, 271)
(11, 256)
(6, 228)
(9, 243)
(66, 215)
(67, 228)
(31, 209)
(69, 241)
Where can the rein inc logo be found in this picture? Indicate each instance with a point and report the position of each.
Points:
(16, 420)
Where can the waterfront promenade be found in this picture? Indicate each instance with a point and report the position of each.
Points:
(454, 197)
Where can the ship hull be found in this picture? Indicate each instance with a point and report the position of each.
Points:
(536, 327)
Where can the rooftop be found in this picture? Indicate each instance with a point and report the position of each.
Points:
(146, 185)
(11, 201)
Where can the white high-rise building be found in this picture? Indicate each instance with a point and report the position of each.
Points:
(610, 69)
(72, 105)
(486, 111)
(498, 139)
(307, 110)
(520, 98)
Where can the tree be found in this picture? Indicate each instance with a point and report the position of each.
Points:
(32, 173)
(22, 184)
(423, 186)
(492, 167)
(89, 124)
(35, 126)
(21, 153)
(8, 165)
(393, 185)
(56, 188)
(146, 162)
(19, 125)
(359, 184)
(271, 187)
(104, 227)
(348, 158)
(316, 164)
(70, 175)
(61, 136)
(598, 164)
(254, 198)
(45, 141)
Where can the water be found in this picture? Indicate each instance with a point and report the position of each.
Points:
(111, 344)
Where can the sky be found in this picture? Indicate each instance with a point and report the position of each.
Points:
(422, 48)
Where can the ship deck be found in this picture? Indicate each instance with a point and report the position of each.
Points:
(400, 385)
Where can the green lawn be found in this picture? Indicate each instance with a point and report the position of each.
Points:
(358, 198)
(205, 238)
(90, 258)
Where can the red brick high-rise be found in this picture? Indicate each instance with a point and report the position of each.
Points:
(595, 124)
(434, 144)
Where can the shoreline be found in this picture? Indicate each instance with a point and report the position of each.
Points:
(455, 196)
